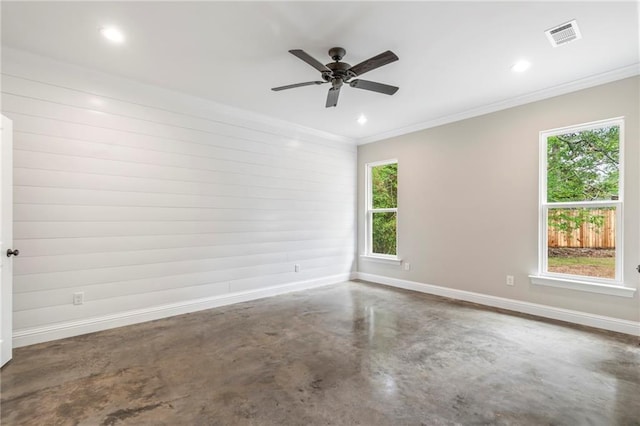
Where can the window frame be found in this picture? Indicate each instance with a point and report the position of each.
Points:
(581, 282)
(369, 211)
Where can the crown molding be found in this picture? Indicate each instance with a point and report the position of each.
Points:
(44, 69)
(573, 86)
(15, 57)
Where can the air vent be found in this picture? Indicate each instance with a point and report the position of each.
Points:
(564, 33)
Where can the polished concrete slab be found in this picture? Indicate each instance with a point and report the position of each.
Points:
(348, 354)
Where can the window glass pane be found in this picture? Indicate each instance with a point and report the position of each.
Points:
(582, 241)
(384, 233)
(583, 166)
(384, 186)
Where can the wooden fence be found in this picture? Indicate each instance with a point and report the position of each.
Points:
(587, 235)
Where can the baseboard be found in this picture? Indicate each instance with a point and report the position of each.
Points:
(576, 317)
(90, 325)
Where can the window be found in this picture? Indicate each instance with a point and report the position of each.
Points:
(382, 209)
(581, 203)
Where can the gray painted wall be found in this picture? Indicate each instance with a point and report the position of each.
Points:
(468, 199)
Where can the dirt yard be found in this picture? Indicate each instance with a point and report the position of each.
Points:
(588, 262)
(580, 252)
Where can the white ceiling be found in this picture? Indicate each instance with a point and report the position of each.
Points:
(455, 57)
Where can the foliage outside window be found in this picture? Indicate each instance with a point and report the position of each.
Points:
(581, 201)
(382, 208)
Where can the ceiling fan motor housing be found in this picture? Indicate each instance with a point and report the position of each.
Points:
(339, 70)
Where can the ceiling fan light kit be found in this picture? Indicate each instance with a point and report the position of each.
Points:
(338, 73)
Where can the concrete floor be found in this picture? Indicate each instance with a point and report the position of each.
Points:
(352, 354)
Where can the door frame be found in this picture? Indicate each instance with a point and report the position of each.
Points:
(6, 240)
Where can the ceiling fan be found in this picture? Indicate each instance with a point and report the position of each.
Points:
(338, 73)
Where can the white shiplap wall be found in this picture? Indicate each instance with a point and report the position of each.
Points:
(146, 199)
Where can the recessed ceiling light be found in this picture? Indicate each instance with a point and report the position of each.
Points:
(112, 34)
(521, 66)
(362, 119)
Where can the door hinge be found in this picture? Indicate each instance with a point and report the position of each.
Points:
(638, 268)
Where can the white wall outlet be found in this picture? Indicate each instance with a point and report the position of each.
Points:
(78, 298)
(296, 267)
(511, 280)
(407, 266)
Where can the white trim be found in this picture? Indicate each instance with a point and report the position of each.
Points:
(368, 220)
(589, 286)
(34, 335)
(382, 162)
(576, 317)
(544, 206)
(391, 260)
(584, 204)
(6, 225)
(573, 86)
(590, 125)
(385, 210)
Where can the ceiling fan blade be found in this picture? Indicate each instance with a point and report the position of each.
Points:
(372, 63)
(332, 97)
(291, 86)
(373, 86)
(309, 59)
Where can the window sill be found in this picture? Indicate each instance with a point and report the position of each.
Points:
(612, 290)
(381, 259)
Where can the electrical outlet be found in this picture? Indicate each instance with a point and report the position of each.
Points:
(511, 280)
(78, 298)
(407, 266)
(296, 267)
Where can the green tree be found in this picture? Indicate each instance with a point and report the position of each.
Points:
(384, 181)
(582, 166)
